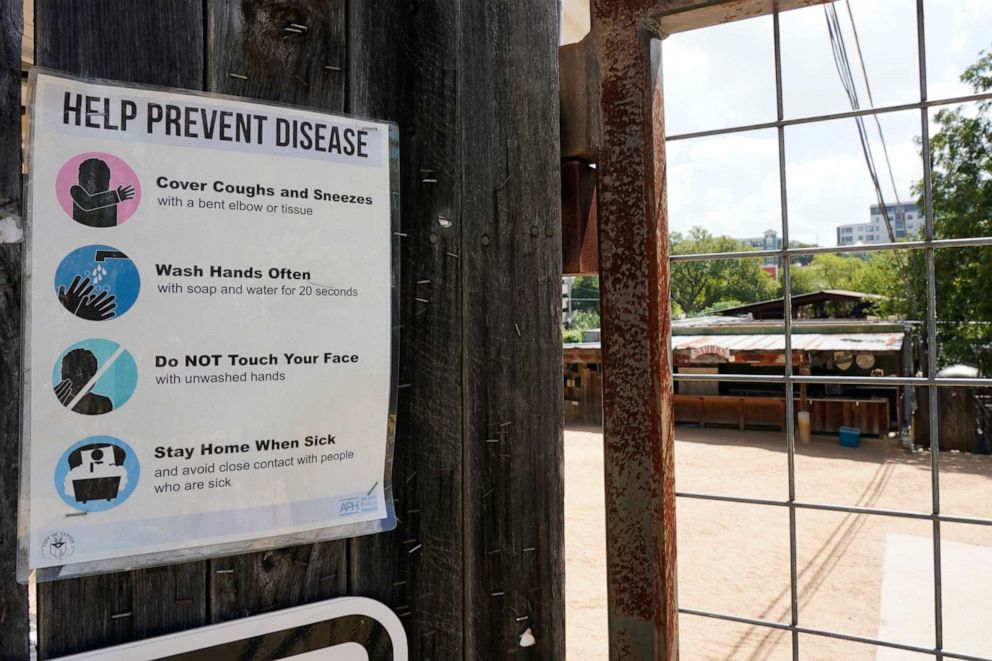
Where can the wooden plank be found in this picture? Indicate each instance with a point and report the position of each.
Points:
(461, 81)
(957, 417)
(85, 613)
(98, 611)
(511, 270)
(99, 39)
(418, 568)
(13, 597)
(278, 52)
(704, 13)
(475, 238)
(871, 416)
(162, 44)
(582, 355)
(289, 52)
(256, 583)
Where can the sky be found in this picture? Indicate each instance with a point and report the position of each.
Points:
(724, 76)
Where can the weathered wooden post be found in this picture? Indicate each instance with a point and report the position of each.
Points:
(13, 597)
(162, 45)
(477, 558)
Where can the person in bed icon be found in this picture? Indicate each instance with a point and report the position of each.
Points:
(97, 474)
(98, 189)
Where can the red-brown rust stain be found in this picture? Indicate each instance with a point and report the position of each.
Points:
(638, 430)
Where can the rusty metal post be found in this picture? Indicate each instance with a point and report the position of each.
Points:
(637, 388)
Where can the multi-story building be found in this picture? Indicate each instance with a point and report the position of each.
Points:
(770, 240)
(905, 217)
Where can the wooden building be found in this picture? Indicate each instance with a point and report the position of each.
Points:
(745, 347)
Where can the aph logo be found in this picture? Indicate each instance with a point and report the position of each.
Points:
(58, 545)
(349, 506)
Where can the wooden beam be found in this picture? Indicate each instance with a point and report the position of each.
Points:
(582, 355)
(13, 597)
(419, 567)
(99, 39)
(250, 52)
(254, 50)
(476, 443)
(681, 16)
(473, 89)
(511, 333)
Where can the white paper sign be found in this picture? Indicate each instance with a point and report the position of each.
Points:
(315, 632)
(209, 325)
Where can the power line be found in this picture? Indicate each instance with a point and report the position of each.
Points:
(843, 65)
(900, 211)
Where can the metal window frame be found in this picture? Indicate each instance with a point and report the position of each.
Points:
(928, 245)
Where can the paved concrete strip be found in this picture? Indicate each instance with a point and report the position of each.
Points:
(906, 609)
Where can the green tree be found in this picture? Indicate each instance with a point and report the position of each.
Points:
(883, 273)
(585, 319)
(824, 271)
(961, 153)
(585, 293)
(702, 286)
(835, 271)
(804, 279)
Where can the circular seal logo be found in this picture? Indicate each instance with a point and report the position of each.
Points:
(58, 545)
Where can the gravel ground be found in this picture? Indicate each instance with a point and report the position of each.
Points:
(863, 575)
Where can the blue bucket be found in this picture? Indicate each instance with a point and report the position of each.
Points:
(850, 437)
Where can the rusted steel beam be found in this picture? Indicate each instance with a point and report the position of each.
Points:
(638, 405)
(580, 130)
(580, 234)
(682, 15)
(637, 387)
(581, 123)
(577, 74)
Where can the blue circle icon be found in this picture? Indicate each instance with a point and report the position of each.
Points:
(97, 474)
(97, 283)
(94, 376)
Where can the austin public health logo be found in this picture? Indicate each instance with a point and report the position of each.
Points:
(58, 545)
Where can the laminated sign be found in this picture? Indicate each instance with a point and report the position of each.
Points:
(210, 346)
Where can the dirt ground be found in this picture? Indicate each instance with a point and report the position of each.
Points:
(864, 575)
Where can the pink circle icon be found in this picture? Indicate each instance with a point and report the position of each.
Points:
(97, 189)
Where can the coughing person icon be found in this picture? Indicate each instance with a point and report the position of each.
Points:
(94, 202)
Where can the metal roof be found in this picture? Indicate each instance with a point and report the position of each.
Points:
(876, 342)
(799, 300)
(746, 326)
(855, 342)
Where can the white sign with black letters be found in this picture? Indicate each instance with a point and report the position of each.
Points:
(209, 290)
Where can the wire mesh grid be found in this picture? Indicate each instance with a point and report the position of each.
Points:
(931, 382)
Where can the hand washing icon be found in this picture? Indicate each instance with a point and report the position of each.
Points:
(97, 283)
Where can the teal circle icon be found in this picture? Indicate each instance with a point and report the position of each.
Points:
(97, 474)
(94, 376)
